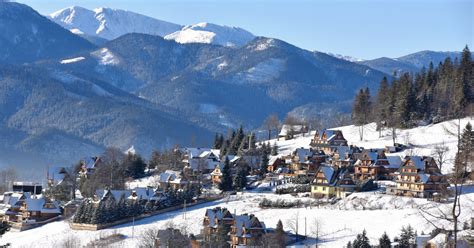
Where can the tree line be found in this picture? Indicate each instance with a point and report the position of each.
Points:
(111, 210)
(435, 94)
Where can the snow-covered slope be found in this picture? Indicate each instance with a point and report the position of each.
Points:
(110, 23)
(212, 34)
(422, 139)
(345, 57)
(340, 222)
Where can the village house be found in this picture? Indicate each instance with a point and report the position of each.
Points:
(341, 156)
(246, 230)
(88, 165)
(374, 164)
(213, 218)
(23, 207)
(327, 139)
(303, 161)
(324, 182)
(419, 176)
(345, 184)
(172, 179)
(274, 163)
(141, 194)
(288, 131)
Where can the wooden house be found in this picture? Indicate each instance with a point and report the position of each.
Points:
(345, 184)
(274, 163)
(24, 207)
(246, 230)
(419, 176)
(213, 218)
(324, 182)
(374, 164)
(89, 165)
(327, 139)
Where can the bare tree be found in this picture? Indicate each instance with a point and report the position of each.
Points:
(440, 153)
(316, 229)
(7, 177)
(271, 123)
(292, 223)
(451, 216)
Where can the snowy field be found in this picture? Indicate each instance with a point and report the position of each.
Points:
(340, 222)
(423, 139)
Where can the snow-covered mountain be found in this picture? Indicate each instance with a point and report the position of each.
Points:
(345, 57)
(212, 34)
(110, 23)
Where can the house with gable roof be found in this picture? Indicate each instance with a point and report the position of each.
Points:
(326, 139)
(23, 207)
(89, 165)
(246, 230)
(324, 182)
(213, 218)
(419, 176)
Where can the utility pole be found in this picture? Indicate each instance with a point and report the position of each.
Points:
(184, 210)
(305, 235)
(133, 227)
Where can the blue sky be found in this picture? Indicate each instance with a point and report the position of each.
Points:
(364, 29)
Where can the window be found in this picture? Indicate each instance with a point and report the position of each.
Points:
(324, 188)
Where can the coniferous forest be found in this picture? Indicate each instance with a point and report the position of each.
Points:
(434, 94)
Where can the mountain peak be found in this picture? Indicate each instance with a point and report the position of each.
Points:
(109, 23)
(211, 33)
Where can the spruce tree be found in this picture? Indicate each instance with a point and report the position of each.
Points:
(274, 149)
(226, 180)
(361, 241)
(407, 237)
(382, 105)
(264, 161)
(240, 179)
(280, 235)
(79, 215)
(384, 241)
(465, 154)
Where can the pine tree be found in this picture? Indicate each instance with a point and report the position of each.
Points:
(274, 149)
(226, 180)
(361, 241)
(280, 235)
(465, 154)
(134, 166)
(407, 238)
(216, 142)
(99, 214)
(349, 244)
(264, 162)
(382, 104)
(384, 241)
(240, 179)
(361, 110)
(252, 141)
(79, 215)
(463, 83)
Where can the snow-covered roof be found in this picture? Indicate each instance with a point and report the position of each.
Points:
(208, 164)
(394, 161)
(117, 194)
(56, 174)
(90, 162)
(303, 154)
(328, 172)
(169, 175)
(38, 205)
(418, 162)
